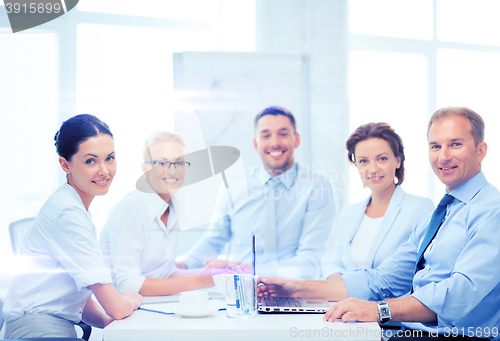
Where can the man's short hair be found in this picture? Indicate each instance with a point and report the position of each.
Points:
(275, 111)
(475, 121)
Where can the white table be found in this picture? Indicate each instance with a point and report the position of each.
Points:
(144, 325)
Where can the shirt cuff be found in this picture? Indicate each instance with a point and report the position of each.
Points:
(191, 262)
(93, 276)
(133, 283)
(332, 271)
(357, 285)
(432, 296)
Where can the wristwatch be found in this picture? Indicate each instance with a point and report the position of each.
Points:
(383, 311)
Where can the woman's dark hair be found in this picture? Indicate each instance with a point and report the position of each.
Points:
(383, 131)
(76, 130)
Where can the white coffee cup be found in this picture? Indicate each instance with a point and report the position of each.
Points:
(194, 300)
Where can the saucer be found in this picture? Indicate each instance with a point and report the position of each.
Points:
(195, 313)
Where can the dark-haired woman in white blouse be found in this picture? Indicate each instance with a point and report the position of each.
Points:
(66, 264)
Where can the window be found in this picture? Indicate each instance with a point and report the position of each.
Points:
(392, 18)
(29, 111)
(393, 49)
(195, 10)
(125, 77)
(233, 21)
(122, 54)
(472, 79)
(392, 88)
(473, 22)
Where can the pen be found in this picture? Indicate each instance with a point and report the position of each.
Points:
(162, 312)
(236, 279)
(241, 288)
(253, 253)
(155, 311)
(243, 294)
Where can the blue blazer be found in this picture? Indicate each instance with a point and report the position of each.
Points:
(404, 212)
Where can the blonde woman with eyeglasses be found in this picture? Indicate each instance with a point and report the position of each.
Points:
(139, 239)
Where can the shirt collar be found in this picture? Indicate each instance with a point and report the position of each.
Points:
(74, 194)
(468, 190)
(287, 178)
(155, 205)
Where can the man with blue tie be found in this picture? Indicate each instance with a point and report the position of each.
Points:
(448, 266)
(289, 208)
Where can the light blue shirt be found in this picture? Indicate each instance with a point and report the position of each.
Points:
(461, 279)
(64, 259)
(305, 210)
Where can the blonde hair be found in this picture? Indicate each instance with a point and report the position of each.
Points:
(160, 136)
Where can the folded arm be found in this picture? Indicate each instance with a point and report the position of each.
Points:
(115, 305)
(181, 280)
(94, 315)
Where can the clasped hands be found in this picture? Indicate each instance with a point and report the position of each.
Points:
(220, 266)
(229, 267)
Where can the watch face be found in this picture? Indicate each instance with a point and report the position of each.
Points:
(384, 311)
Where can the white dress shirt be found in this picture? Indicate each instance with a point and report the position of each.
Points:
(363, 240)
(64, 259)
(135, 242)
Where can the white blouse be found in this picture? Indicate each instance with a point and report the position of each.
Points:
(362, 241)
(64, 259)
(135, 242)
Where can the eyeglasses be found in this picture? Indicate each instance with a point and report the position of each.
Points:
(177, 164)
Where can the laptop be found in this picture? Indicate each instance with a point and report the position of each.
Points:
(276, 304)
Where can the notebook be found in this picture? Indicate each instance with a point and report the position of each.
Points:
(162, 306)
(274, 304)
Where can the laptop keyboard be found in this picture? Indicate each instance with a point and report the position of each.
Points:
(281, 301)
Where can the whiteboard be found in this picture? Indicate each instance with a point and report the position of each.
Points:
(228, 89)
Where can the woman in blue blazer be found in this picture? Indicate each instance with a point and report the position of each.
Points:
(372, 230)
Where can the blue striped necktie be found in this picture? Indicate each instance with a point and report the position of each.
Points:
(434, 225)
(270, 246)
